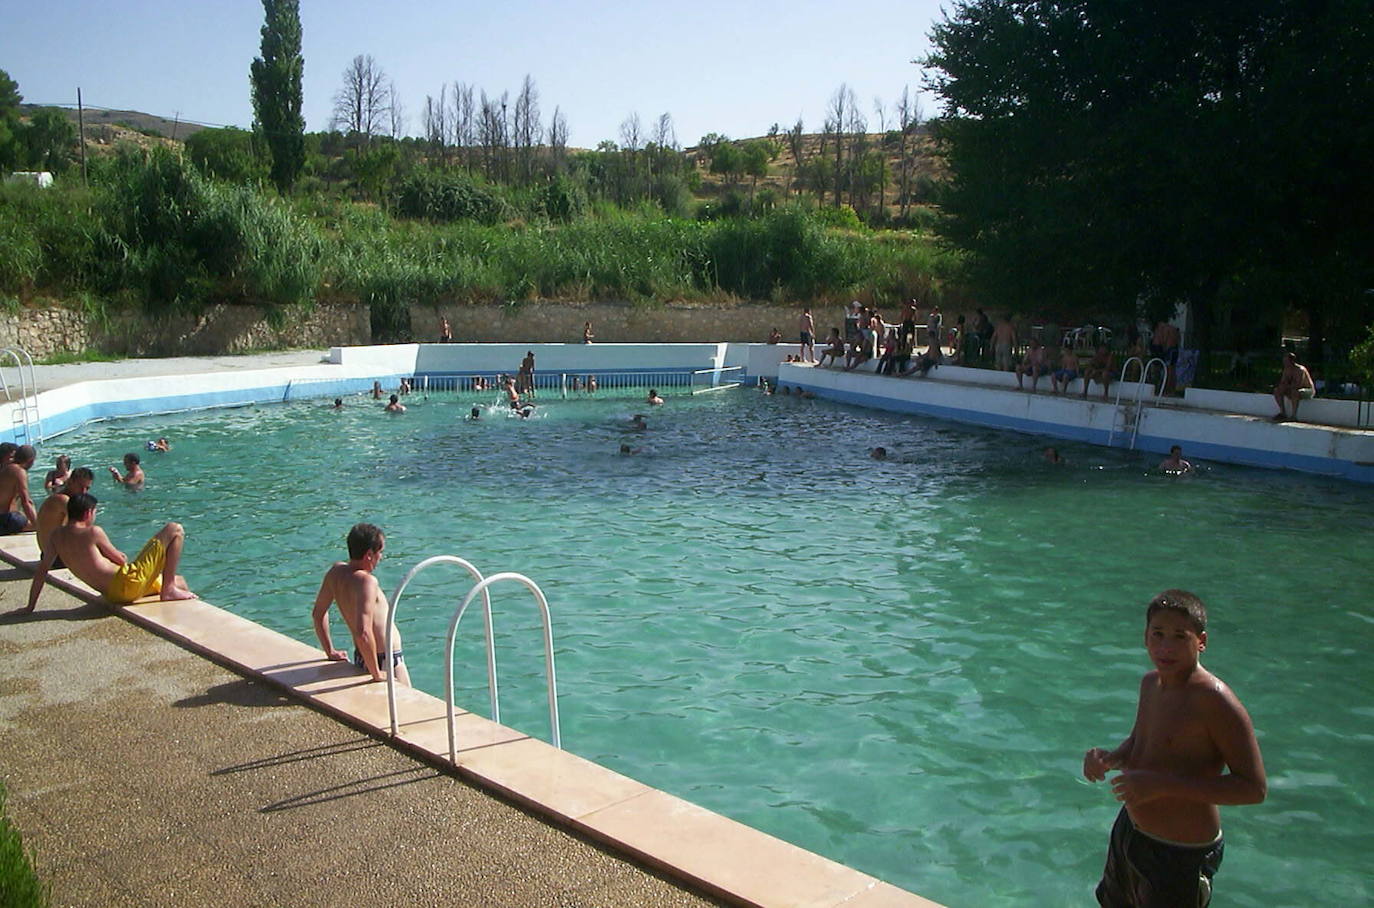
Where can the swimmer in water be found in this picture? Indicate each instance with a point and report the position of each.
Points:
(1051, 455)
(395, 405)
(627, 450)
(637, 422)
(476, 413)
(879, 453)
(1174, 464)
(653, 399)
(58, 477)
(338, 403)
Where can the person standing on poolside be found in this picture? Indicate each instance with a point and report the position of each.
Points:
(87, 552)
(53, 513)
(1003, 338)
(806, 326)
(524, 379)
(1166, 843)
(587, 334)
(363, 605)
(14, 488)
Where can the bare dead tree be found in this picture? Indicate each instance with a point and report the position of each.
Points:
(493, 135)
(794, 145)
(881, 112)
(360, 105)
(436, 123)
(527, 130)
(908, 121)
(856, 128)
(395, 110)
(558, 140)
(462, 122)
(837, 119)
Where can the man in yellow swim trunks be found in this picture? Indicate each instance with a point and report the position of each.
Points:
(88, 553)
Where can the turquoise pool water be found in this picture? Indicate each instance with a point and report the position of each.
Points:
(895, 664)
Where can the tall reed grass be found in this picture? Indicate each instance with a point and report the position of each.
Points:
(154, 232)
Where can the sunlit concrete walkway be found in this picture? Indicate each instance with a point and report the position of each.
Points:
(49, 377)
(142, 774)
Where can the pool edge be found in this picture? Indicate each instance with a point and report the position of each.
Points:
(702, 849)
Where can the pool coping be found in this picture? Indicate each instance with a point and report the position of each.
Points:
(710, 852)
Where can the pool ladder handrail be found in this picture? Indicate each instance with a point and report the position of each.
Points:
(482, 586)
(26, 390)
(1134, 405)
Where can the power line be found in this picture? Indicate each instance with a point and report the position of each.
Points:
(69, 106)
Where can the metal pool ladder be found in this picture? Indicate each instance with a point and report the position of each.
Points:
(26, 416)
(1129, 415)
(482, 586)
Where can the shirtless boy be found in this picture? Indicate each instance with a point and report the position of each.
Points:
(1099, 369)
(1175, 463)
(1034, 365)
(1166, 843)
(1295, 385)
(88, 553)
(806, 330)
(363, 605)
(53, 513)
(1003, 337)
(653, 399)
(1067, 371)
(14, 488)
(834, 348)
(394, 405)
(133, 476)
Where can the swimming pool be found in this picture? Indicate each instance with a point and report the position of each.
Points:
(895, 664)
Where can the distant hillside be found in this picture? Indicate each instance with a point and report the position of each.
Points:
(925, 166)
(131, 120)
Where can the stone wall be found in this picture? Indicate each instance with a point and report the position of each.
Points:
(240, 329)
(551, 323)
(218, 330)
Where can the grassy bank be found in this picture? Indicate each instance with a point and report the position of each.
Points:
(152, 233)
(19, 884)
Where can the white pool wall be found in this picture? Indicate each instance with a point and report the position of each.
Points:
(987, 398)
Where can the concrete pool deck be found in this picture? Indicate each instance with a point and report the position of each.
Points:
(197, 822)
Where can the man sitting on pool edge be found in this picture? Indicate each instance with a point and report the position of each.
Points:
(362, 603)
(88, 553)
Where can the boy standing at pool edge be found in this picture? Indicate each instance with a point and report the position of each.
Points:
(1166, 843)
(363, 605)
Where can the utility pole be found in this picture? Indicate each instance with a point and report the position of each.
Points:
(81, 134)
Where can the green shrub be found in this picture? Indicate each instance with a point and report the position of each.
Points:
(448, 196)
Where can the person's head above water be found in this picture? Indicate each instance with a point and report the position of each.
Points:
(878, 453)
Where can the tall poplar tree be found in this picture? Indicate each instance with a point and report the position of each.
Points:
(276, 78)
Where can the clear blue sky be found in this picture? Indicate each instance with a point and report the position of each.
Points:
(729, 67)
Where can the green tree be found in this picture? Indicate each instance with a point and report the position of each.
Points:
(276, 79)
(1114, 156)
(48, 139)
(226, 154)
(10, 148)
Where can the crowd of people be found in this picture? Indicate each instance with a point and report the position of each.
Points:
(68, 537)
(1086, 356)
